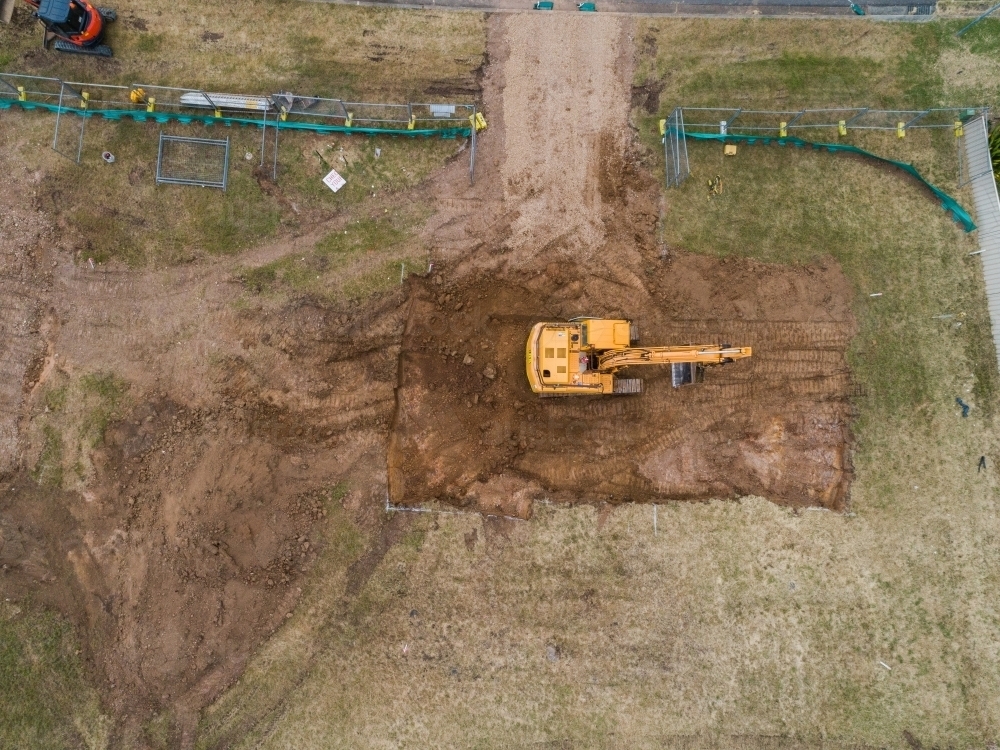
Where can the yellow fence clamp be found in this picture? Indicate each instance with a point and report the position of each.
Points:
(901, 129)
(22, 95)
(349, 120)
(479, 122)
(842, 128)
(663, 128)
(151, 104)
(412, 123)
(959, 130)
(783, 129)
(84, 99)
(284, 113)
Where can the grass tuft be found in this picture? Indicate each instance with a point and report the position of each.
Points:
(46, 701)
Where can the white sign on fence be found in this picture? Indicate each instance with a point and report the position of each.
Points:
(334, 181)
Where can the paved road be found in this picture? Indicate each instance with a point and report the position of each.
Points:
(920, 11)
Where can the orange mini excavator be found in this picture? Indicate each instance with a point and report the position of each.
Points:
(74, 25)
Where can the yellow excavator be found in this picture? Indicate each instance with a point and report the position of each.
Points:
(581, 357)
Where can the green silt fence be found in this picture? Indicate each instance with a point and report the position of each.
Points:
(948, 203)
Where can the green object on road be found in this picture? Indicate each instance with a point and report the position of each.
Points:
(948, 203)
(544, 5)
(858, 10)
(587, 7)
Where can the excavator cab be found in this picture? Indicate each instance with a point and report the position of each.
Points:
(584, 355)
(74, 25)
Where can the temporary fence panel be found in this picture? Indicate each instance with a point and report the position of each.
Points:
(725, 120)
(984, 194)
(29, 90)
(68, 137)
(192, 161)
(142, 102)
(675, 150)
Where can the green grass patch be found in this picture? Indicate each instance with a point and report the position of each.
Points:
(796, 76)
(104, 395)
(55, 398)
(367, 256)
(49, 469)
(46, 700)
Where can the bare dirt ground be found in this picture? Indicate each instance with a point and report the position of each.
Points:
(571, 231)
(179, 542)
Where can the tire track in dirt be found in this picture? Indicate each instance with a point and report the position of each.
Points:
(566, 227)
(188, 533)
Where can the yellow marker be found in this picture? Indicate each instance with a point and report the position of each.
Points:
(959, 130)
(137, 96)
(84, 99)
(151, 104)
(842, 127)
(783, 129)
(412, 123)
(350, 119)
(21, 95)
(901, 129)
(480, 121)
(663, 127)
(284, 114)
(218, 112)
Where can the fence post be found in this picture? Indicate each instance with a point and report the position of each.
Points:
(472, 147)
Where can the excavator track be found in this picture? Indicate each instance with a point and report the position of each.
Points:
(101, 50)
(627, 386)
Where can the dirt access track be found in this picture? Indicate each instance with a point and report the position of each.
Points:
(178, 544)
(567, 228)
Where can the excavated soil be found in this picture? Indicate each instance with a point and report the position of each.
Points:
(571, 230)
(186, 545)
(470, 432)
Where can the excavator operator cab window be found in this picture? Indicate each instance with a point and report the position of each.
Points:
(77, 20)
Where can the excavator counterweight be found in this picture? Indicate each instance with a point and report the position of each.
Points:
(582, 357)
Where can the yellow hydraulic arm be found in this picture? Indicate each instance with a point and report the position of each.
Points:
(616, 359)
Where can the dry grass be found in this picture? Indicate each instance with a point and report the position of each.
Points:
(46, 701)
(738, 624)
(329, 50)
(313, 48)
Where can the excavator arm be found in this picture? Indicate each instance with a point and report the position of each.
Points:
(665, 355)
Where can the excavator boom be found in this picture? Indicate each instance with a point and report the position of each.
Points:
(581, 357)
(668, 355)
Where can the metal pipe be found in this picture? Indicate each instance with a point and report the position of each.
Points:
(263, 135)
(472, 148)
